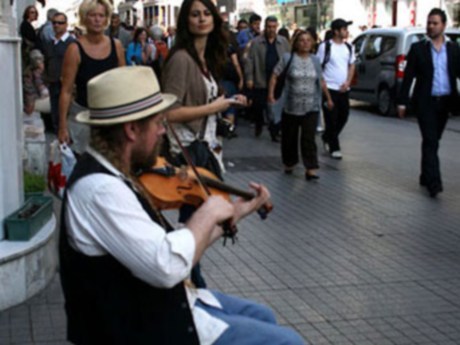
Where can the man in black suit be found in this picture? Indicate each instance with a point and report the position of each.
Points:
(434, 63)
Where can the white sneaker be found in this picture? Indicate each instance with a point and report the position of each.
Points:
(336, 155)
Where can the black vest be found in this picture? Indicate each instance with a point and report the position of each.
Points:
(106, 304)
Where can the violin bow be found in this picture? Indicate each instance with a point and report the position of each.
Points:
(229, 229)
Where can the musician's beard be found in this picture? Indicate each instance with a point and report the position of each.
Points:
(142, 159)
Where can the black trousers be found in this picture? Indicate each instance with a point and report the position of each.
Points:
(290, 125)
(259, 106)
(432, 121)
(55, 90)
(336, 118)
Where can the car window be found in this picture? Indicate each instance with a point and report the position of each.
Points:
(358, 43)
(454, 37)
(388, 44)
(411, 39)
(377, 45)
(372, 48)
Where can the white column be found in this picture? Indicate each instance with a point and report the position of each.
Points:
(11, 181)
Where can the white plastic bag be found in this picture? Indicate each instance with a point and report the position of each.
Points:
(68, 160)
(61, 163)
(43, 105)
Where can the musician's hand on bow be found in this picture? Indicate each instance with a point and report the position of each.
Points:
(246, 207)
(203, 223)
(216, 209)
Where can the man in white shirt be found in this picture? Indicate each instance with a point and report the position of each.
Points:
(337, 59)
(123, 270)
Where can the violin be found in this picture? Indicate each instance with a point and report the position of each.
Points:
(192, 188)
(171, 187)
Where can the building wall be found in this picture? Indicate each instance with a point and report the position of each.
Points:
(379, 12)
(11, 148)
(250, 6)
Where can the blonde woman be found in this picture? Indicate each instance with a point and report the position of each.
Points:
(92, 54)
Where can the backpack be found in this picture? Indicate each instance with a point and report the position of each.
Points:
(327, 52)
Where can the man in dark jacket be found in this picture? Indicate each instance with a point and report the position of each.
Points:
(263, 55)
(435, 65)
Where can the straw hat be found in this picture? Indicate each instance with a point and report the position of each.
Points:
(124, 94)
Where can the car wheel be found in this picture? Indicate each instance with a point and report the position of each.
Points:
(385, 102)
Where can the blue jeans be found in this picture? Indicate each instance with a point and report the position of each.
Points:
(249, 323)
(230, 90)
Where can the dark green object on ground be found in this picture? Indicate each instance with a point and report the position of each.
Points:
(23, 224)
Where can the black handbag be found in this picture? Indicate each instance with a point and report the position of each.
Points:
(200, 154)
(281, 80)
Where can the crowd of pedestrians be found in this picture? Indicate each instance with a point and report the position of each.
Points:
(238, 67)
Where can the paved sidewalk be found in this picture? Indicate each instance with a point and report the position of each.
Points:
(363, 256)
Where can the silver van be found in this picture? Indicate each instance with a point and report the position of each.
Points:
(380, 62)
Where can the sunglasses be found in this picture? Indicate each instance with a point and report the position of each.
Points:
(59, 22)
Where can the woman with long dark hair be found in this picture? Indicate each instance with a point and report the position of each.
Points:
(191, 72)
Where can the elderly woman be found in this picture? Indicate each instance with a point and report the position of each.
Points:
(92, 54)
(304, 83)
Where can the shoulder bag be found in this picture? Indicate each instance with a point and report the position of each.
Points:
(281, 80)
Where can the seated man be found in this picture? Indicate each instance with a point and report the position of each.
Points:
(123, 271)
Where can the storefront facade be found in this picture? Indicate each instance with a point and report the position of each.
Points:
(363, 13)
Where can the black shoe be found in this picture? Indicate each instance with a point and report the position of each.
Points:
(274, 132)
(274, 138)
(258, 130)
(288, 171)
(310, 177)
(232, 135)
(434, 191)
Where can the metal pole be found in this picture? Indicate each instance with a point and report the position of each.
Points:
(395, 13)
(318, 15)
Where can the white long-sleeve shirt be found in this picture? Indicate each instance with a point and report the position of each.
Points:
(104, 216)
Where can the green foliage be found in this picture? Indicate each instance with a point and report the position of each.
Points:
(33, 183)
